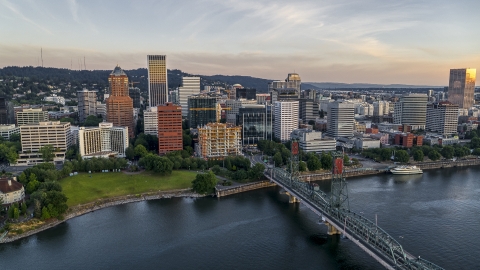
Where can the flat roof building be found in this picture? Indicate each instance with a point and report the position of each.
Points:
(218, 140)
(461, 87)
(31, 116)
(103, 141)
(169, 128)
(150, 121)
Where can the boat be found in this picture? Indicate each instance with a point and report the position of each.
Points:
(406, 170)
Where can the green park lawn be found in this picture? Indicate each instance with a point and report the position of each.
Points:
(82, 188)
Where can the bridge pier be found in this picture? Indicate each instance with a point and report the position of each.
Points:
(331, 230)
(291, 198)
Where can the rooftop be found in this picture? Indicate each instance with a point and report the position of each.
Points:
(7, 186)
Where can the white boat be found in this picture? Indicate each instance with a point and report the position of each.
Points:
(406, 170)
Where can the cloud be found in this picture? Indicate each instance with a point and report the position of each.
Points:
(74, 10)
(19, 14)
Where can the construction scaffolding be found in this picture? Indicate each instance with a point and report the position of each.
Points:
(218, 140)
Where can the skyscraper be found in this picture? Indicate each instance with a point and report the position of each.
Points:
(286, 119)
(442, 117)
(190, 86)
(461, 87)
(341, 119)
(87, 104)
(157, 80)
(169, 128)
(119, 103)
(411, 110)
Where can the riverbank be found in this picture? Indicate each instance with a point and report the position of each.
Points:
(104, 203)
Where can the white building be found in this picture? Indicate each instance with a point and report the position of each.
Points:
(103, 141)
(286, 119)
(7, 130)
(11, 191)
(55, 98)
(101, 109)
(190, 86)
(442, 118)
(87, 104)
(35, 136)
(341, 119)
(311, 141)
(150, 121)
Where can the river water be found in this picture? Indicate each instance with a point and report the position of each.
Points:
(435, 215)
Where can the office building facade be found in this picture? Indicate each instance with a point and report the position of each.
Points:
(169, 128)
(411, 110)
(31, 116)
(157, 80)
(461, 87)
(8, 130)
(286, 119)
(246, 93)
(119, 104)
(341, 119)
(134, 93)
(308, 110)
(202, 109)
(150, 121)
(87, 104)
(190, 86)
(256, 122)
(442, 118)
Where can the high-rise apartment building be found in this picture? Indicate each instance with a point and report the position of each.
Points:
(87, 104)
(150, 121)
(461, 87)
(256, 122)
(442, 118)
(157, 80)
(103, 141)
(218, 140)
(202, 109)
(286, 119)
(190, 86)
(31, 116)
(119, 103)
(411, 110)
(169, 128)
(341, 119)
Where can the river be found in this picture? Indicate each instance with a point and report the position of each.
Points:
(435, 215)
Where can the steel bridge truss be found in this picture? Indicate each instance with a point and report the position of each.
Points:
(351, 223)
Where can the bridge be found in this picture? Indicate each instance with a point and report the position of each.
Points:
(335, 211)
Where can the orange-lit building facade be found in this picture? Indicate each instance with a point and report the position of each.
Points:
(408, 140)
(119, 104)
(169, 128)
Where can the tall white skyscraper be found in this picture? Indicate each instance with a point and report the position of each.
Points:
(286, 119)
(150, 121)
(190, 86)
(341, 119)
(157, 80)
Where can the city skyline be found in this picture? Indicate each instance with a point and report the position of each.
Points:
(332, 41)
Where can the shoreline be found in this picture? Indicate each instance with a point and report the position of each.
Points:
(86, 208)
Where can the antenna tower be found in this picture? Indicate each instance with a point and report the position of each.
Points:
(41, 55)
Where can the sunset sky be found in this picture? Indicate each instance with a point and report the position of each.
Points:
(368, 41)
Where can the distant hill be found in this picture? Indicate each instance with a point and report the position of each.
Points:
(246, 81)
(332, 85)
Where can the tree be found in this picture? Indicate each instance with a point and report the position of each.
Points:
(47, 152)
(15, 137)
(448, 152)
(16, 213)
(476, 152)
(475, 143)
(92, 120)
(313, 163)
(130, 152)
(402, 156)
(140, 151)
(327, 161)
(346, 160)
(45, 213)
(434, 155)
(204, 183)
(302, 166)
(24, 208)
(418, 155)
(277, 158)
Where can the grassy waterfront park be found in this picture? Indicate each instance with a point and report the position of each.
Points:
(84, 187)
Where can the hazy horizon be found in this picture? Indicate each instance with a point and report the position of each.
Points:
(371, 41)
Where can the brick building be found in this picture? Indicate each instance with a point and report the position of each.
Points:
(119, 103)
(169, 128)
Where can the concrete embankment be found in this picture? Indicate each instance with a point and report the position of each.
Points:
(103, 203)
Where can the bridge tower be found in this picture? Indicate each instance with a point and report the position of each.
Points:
(339, 192)
(294, 172)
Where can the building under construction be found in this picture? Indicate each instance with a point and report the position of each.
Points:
(218, 140)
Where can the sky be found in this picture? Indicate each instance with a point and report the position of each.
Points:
(368, 41)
